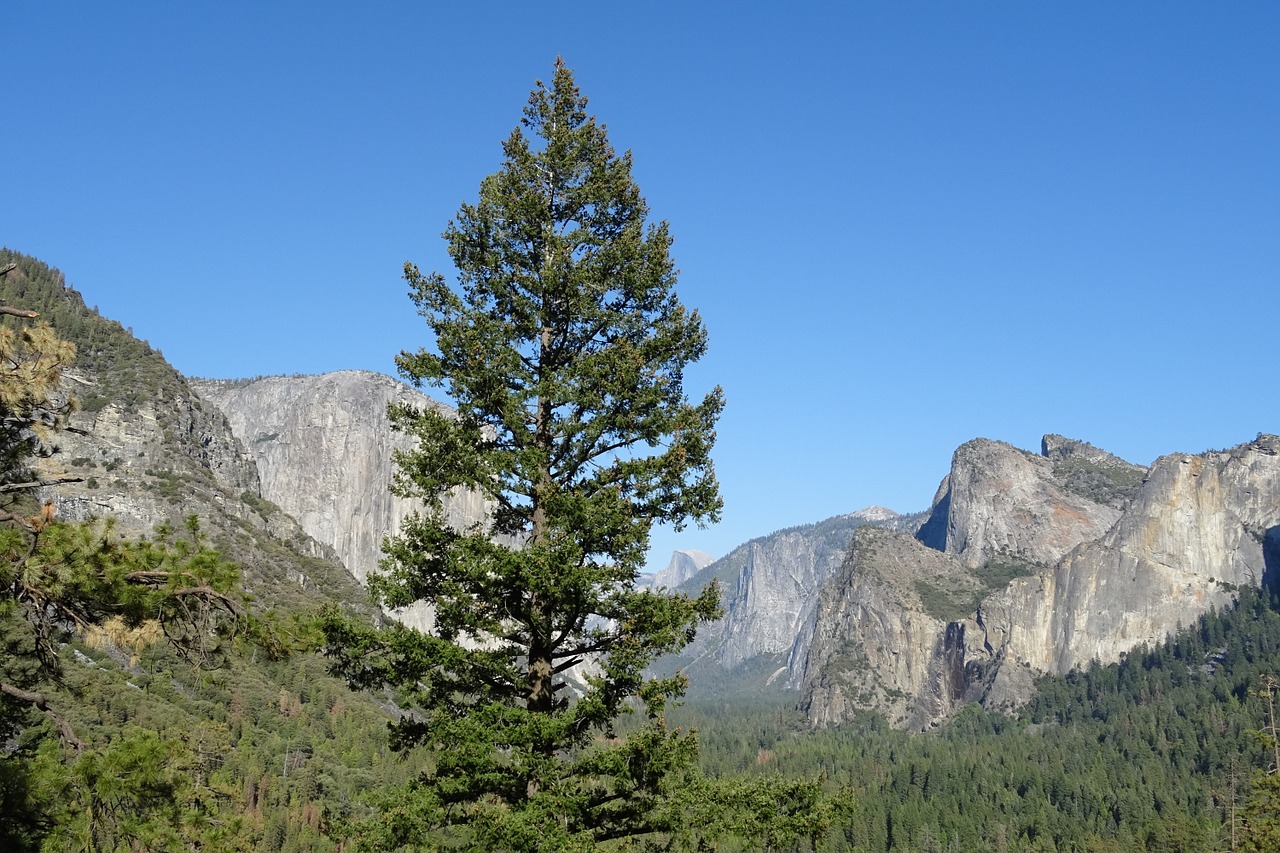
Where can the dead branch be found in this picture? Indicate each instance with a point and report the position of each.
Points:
(40, 702)
(35, 484)
(207, 593)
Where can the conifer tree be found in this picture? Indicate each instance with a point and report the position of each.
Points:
(60, 581)
(563, 345)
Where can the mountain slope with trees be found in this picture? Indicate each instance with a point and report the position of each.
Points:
(247, 745)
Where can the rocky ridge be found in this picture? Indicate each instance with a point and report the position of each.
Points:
(147, 451)
(770, 589)
(987, 614)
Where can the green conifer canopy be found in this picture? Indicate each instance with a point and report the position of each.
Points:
(563, 345)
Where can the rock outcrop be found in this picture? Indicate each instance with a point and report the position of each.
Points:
(1002, 502)
(876, 646)
(770, 594)
(142, 459)
(914, 632)
(324, 451)
(1199, 527)
(145, 451)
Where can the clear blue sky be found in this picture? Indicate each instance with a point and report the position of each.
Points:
(906, 224)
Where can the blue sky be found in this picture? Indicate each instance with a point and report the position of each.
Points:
(906, 224)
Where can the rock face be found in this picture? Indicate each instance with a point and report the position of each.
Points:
(1194, 530)
(1200, 526)
(770, 594)
(323, 446)
(150, 443)
(876, 646)
(683, 566)
(999, 501)
(149, 452)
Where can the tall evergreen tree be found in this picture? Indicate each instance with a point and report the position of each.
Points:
(563, 345)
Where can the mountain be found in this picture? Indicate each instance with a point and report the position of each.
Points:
(148, 451)
(1025, 563)
(683, 566)
(324, 448)
(1002, 502)
(1017, 573)
(770, 589)
(257, 750)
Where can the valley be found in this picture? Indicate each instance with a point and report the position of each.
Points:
(1065, 651)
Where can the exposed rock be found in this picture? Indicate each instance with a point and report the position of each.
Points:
(148, 452)
(323, 446)
(893, 635)
(1002, 502)
(1092, 473)
(875, 648)
(145, 458)
(770, 596)
(683, 566)
(1200, 526)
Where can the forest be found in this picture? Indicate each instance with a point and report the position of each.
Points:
(217, 683)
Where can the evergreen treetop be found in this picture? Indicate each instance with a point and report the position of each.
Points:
(563, 345)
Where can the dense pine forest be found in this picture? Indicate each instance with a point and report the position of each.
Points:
(1162, 751)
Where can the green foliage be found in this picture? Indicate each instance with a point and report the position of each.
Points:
(260, 505)
(1106, 483)
(958, 596)
(563, 346)
(1154, 753)
(127, 371)
(945, 602)
(1000, 572)
(123, 726)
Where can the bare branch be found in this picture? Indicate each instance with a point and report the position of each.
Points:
(207, 593)
(39, 701)
(35, 484)
(154, 578)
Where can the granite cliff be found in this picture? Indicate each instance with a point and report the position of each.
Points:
(999, 501)
(770, 591)
(325, 448)
(145, 450)
(968, 610)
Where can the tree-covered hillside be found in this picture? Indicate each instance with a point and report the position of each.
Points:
(256, 747)
(1159, 752)
(134, 742)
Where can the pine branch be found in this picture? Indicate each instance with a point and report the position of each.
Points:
(39, 701)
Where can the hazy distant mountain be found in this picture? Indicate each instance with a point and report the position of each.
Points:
(770, 589)
(684, 565)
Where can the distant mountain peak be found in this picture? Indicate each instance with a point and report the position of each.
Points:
(872, 514)
(685, 563)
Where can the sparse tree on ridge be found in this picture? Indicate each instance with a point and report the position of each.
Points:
(563, 346)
